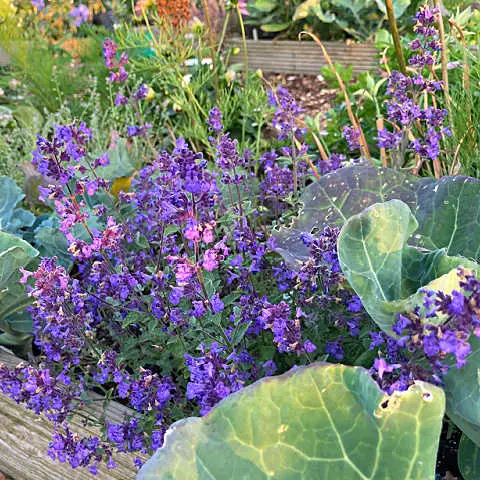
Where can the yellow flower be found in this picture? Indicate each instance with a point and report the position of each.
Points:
(121, 184)
(150, 95)
(230, 76)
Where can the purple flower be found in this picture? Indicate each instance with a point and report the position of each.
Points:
(333, 163)
(352, 136)
(211, 377)
(216, 303)
(215, 120)
(383, 367)
(286, 331)
(80, 14)
(38, 4)
(141, 93)
(334, 349)
(120, 100)
(138, 131)
(286, 113)
(110, 52)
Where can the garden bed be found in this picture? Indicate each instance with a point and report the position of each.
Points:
(286, 56)
(26, 436)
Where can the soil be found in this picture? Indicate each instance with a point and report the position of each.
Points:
(310, 90)
(447, 465)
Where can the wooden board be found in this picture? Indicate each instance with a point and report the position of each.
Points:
(24, 439)
(305, 57)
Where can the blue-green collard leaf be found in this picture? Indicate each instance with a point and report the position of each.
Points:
(387, 274)
(469, 459)
(323, 421)
(15, 253)
(448, 213)
(462, 389)
(12, 219)
(336, 197)
(52, 242)
(447, 210)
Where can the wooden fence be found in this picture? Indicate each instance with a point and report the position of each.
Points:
(24, 439)
(304, 57)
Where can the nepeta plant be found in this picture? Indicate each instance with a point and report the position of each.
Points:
(419, 125)
(173, 298)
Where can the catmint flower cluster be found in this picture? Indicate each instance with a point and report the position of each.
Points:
(119, 75)
(174, 262)
(286, 113)
(407, 109)
(436, 341)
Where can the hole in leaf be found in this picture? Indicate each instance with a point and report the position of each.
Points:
(384, 404)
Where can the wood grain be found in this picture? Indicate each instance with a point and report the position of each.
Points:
(24, 439)
(285, 56)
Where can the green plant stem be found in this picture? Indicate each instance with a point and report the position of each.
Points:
(245, 69)
(224, 32)
(396, 37)
(212, 48)
(444, 59)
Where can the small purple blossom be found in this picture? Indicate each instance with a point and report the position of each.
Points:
(80, 14)
(215, 120)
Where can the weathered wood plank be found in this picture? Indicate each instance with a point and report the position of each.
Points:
(25, 437)
(304, 57)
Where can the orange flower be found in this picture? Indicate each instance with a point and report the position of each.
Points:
(177, 11)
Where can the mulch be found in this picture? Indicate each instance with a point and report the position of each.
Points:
(310, 90)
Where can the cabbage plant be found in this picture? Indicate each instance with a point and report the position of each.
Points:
(321, 421)
(401, 237)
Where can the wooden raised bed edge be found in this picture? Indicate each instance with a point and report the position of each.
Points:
(286, 56)
(24, 439)
(304, 57)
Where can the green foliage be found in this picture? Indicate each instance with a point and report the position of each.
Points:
(188, 83)
(469, 459)
(321, 421)
(462, 389)
(388, 275)
(360, 19)
(272, 16)
(12, 219)
(15, 253)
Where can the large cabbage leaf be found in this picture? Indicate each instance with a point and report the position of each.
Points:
(322, 421)
(388, 275)
(447, 210)
(336, 197)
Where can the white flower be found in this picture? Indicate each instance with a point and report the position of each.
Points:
(190, 62)
(186, 80)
